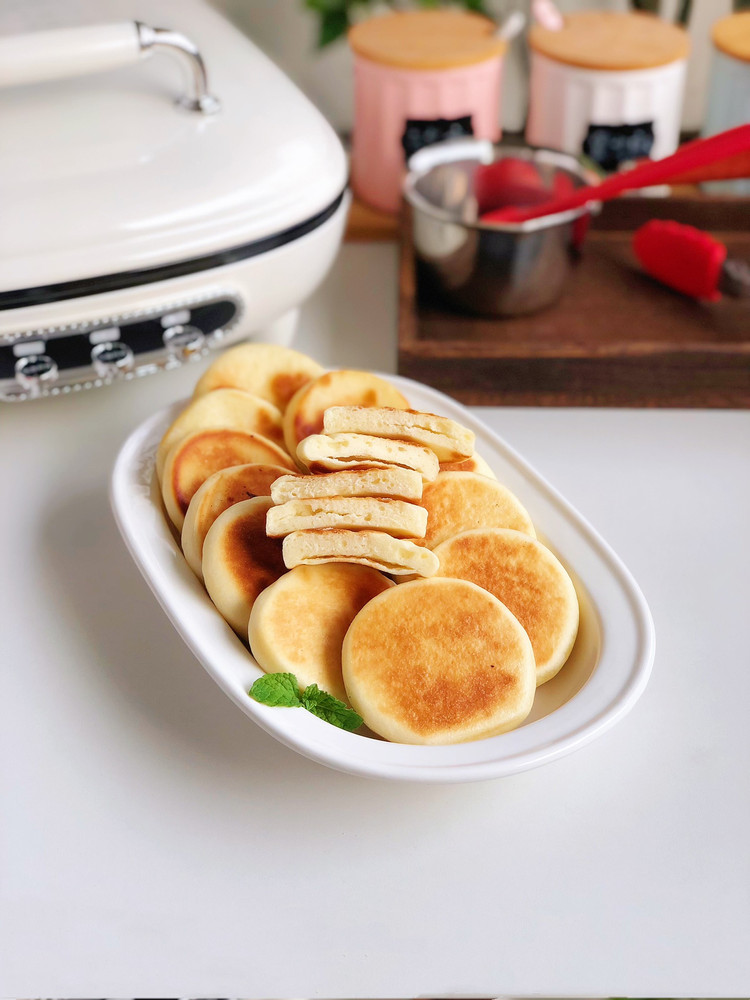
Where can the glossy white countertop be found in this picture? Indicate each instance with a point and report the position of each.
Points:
(154, 842)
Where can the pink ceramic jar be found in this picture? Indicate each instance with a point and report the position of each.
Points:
(419, 77)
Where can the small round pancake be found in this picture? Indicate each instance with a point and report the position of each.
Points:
(438, 661)
(399, 484)
(449, 440)
(321, 602)
(396, 556)
(231, 408)
(322, 453)
(304, 414)
(474, 464)
(460, 501)
(240, 560)
(219, 492)
(267, 370)
(528, 579)
(398, 518)
(194, 458)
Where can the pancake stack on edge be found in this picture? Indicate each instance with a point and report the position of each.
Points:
(320, 602)
(194, 458)
(438, 661)
(530, 582)
(220, 491)
(448, 440)
(240, 560)
(365, 442)
(460, 501)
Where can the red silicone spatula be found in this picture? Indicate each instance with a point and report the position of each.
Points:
(689, 260)
(690, 157)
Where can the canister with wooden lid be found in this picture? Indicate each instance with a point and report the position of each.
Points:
(609, 85)
(419, 77)
(729, 90)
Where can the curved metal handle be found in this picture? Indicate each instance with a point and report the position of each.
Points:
(66, 52)
(165, 40)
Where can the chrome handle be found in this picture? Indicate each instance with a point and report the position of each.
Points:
(153, 40)
(67, 52)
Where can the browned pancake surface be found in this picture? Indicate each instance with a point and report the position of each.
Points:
(528, 580)
(460, 501)
(202, 454)
(438, 663)
(253, 559)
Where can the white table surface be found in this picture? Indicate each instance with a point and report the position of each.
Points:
(154, 842)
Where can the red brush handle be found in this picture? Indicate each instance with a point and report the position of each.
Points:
(682, 257)
(693, 155)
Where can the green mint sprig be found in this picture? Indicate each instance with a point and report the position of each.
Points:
(284, 690)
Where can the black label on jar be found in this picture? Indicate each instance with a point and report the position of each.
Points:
(611, 145)
(426, 132)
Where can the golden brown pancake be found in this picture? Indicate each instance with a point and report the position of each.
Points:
(397, 556)
(473, 464)
(240, 560)
(399, 484)
(194, 458)
(449, 440)
(267, 370)
(438, 661)
(304, 414)
(319, 603)
(528, 579)
(459, 501)
(227, 408)
(331, 452)
(397, 517)
(220, 491)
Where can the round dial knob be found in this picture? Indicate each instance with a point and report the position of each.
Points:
(35, 370)
(111, 358)
(182, 341)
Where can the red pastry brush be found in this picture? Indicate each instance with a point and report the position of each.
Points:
(689, 260)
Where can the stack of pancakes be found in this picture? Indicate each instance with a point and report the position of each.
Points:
(303, 498)
(360, 501)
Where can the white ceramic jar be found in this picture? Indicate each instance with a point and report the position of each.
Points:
(729, 91)
(609, 85)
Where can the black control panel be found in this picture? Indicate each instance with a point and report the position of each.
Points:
(36, 361)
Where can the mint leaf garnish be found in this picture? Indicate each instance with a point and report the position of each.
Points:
(276, 689)
(283, 690)
(326, 707)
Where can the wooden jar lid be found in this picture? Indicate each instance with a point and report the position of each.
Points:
(732, 35)
(607, 40)
(426, 39)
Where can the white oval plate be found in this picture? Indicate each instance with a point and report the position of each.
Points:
(605, 675)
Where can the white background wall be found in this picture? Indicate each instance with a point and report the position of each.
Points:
(286, 30)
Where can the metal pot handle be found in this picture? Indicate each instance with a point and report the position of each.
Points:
(446, 152)
(65, 52)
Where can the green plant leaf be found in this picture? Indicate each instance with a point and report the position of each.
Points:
(330, 709)
(277, 689)
(333, 24)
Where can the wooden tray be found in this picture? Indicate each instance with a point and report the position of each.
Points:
(615, 338)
